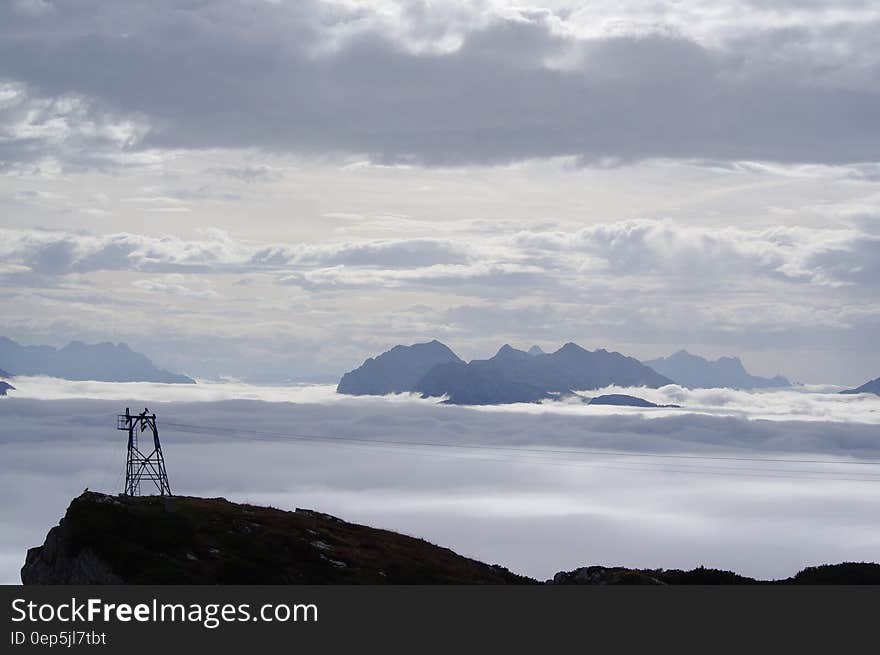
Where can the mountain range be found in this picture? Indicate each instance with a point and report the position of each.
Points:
(511, 376)
(102, 362)
(872, 386)
(697, 372)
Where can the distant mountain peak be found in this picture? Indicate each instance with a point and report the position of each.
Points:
(511, 376)
(396, 370)
(872, 386)
(102, 362)
(536, 350)
(694, 371)
(509, 351)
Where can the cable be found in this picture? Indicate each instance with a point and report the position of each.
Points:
(396, 444)
(206, 429)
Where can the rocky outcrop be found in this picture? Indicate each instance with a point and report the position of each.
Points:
(4, 387)
(62, 559)
(182, 540)
(53, 563)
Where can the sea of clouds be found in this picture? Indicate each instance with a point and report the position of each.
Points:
(801, 403)
(537, 488)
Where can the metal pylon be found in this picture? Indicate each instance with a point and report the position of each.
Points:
(138, 466)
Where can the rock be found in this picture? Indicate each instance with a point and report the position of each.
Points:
(54, 563)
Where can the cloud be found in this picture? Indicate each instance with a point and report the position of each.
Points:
(643, 287)
(398, 253)
(832, 256)
(59, 253)
(816, 403)
(249, 174)
(535, 513)
(456, 85)
(68, 127)
(173, 285)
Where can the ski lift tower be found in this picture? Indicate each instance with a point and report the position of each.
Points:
(138, 466)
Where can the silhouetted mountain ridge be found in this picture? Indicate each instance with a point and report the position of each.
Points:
(516, 376)
(102, 362)
(511, 376)
(872, 386)
(397, 370)
(697, 372)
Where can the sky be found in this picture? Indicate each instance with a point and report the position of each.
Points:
(274, 191)
(763, 483)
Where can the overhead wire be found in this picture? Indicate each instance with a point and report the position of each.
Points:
(688, 460)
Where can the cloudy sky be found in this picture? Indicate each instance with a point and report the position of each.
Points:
(275, 190)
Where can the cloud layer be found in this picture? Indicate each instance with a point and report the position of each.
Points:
(446, 83)
(843, 255)
(608, 284)
(516, 503)
(634, 176)
(822, 404)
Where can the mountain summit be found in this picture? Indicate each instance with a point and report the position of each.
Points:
(511, 376)
(102, 362)
(184, 540)
(698, 372)
(397, 370)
